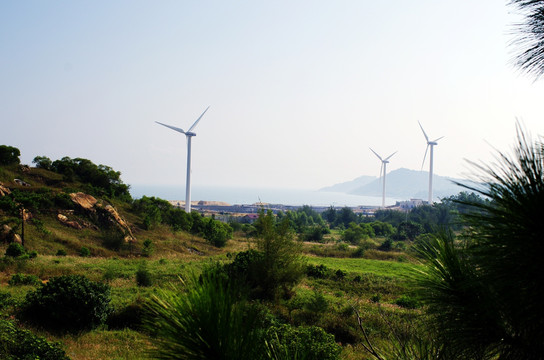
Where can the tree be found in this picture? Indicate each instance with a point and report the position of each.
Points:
(9, 155)
(43, 162)
(279, 267)
(486, 297)
(530, 41)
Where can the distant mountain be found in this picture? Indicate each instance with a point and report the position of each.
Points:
(349, 186)
(404, 184)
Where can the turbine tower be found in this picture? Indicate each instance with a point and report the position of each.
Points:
(429, 144)
(188, 134)
(383, 168)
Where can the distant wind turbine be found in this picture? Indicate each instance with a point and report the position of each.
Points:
(383, 169)
(429, 144)
(189, 134)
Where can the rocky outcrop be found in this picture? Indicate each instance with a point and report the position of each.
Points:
(90, 204)
(8, 235)
(4, 190)
(21, 182)
(120, 222)
(85, 201)
(73, 224)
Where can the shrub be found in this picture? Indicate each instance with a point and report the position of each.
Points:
(407, 302)
(148, 248)
(217, 233)
(143, 277)
(317, 303)
(17, 343)
(15, 250)
(386, 245)
(22, 279)
(317, 271)
(340, 274)
(287, 342)
(68, 303)
(61, 252)
(5, 300)
(84, 252)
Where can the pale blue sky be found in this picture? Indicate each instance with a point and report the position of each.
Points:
(298, 89)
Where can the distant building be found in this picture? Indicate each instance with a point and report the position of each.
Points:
(410, 204)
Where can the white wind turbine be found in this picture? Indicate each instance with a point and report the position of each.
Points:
(383, 169)
(431, 144)
(189, 134)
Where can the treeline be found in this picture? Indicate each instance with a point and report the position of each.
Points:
(100, 179)
(394, 225)
(155, 211)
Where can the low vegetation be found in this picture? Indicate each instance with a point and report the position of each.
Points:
(293, 285)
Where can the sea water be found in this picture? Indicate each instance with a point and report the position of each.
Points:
(235, 196)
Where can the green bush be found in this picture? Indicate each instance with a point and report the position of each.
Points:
(22, 279)
(317, 271)
(407, 302)
(15, 250)
(217, 233)
(84, 252)
(61, 252)
(287, 342)
(386, 245)
(143, 277)
(340, 274)
(148, 248)
(20, 344)
(68, 303)
(317, 303)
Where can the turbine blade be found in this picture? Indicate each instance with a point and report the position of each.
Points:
(197, 120)
(425, 156)
(389, 157)
(426, 137)
(171, 127)
(375, 153)
(438, 139)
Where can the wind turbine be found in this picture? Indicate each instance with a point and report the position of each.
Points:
(431, 144)
(383, 168)
(189, 134)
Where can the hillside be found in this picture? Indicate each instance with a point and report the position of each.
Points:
(349, 186)
(66, 215)
(402, 184)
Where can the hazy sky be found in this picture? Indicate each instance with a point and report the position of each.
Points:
(298, 90)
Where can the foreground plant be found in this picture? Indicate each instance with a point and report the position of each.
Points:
(485, 296)
(208, 320)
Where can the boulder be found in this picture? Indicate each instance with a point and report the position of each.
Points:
(121, 223)
(89, 203)
(8, 235)
(4, 190)
(21, 182)
(86, 201)
(73, 224)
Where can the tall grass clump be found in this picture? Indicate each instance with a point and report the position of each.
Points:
(485, 295)
(207, 319)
